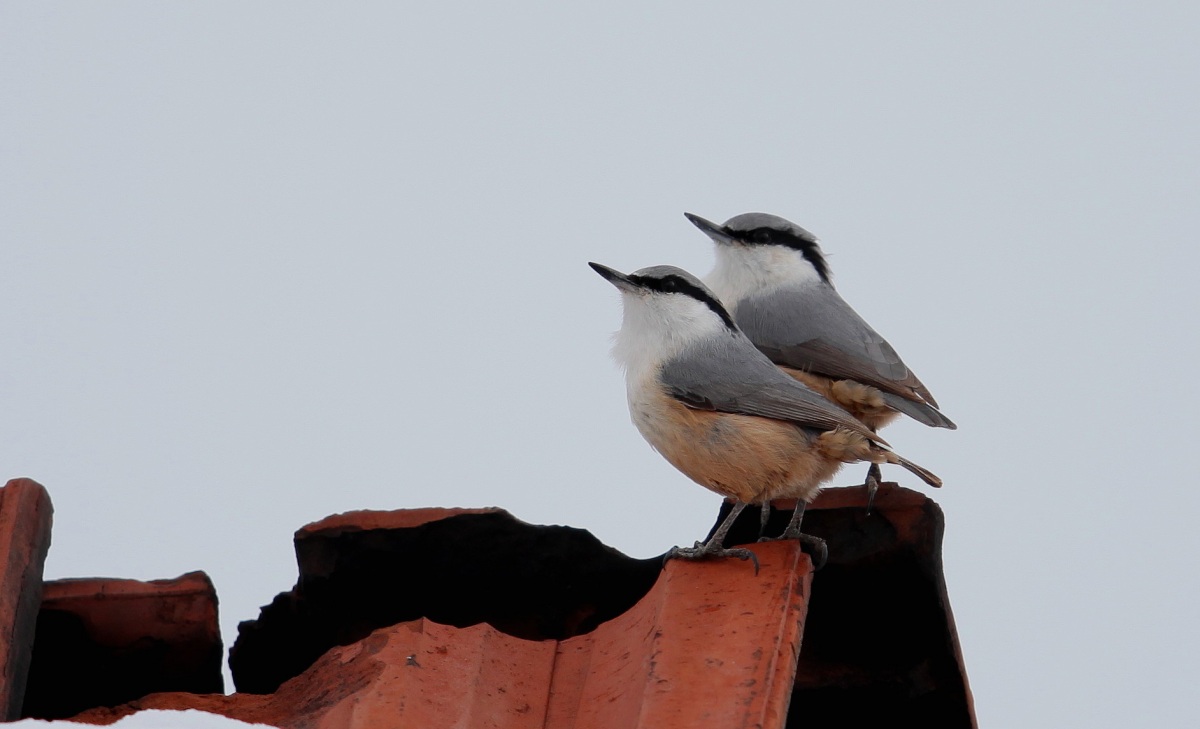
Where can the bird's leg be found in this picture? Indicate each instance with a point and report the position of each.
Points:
(714, 547)
(874, 476)
(718, 537)
(817, 548)
(764, 517)
(792, 531)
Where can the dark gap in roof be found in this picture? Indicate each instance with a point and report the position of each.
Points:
(533, 582)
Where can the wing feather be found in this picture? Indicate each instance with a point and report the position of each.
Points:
(730, 375)
(813, 329)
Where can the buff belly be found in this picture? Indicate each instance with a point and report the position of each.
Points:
(748, 458)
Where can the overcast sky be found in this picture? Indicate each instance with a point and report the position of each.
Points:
(264, 262)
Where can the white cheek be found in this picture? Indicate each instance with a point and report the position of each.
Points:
(656, 328)
(743, 270)
(791, 267)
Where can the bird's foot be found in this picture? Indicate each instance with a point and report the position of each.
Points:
(711, 550)
(815, 547)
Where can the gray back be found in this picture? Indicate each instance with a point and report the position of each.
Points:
(812, 328)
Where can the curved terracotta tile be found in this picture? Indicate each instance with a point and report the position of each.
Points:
(25, 517)
(473, 566)
(102, 642)
(398, 519)
(881, 645)
(711, 645)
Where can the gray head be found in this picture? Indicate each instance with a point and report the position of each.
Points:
(763, 230)
(674, 287)
(666, 312)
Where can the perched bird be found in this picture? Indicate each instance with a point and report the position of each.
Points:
(773, 277)
(718, 410)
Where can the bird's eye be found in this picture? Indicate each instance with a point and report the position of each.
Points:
(670, 284)
(762, 236)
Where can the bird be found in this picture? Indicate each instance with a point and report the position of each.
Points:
(774, 278)
(722, 413)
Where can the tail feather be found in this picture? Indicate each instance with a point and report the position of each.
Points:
(923, 473)
(919, 411)
(883, 455)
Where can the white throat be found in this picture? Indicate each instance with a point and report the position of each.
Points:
(656, 328)
(744, 270)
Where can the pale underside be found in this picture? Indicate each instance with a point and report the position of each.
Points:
(745, 457)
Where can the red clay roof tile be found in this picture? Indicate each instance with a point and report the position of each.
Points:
(102, 642)
(711, 644)
(25, 517)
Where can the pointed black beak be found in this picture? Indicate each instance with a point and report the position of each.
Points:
(711, 229)
(615, 277)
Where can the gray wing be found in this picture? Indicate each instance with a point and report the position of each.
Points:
(814, 329)
(729, 375)
(919, 411)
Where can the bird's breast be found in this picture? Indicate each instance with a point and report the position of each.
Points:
(746, 457)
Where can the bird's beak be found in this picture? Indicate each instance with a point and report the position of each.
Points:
(711, 229)
(614, 277)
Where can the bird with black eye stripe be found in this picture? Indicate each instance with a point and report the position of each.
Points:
(773, 277)
(719, 411)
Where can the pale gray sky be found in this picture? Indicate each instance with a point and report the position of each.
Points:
(262, 262)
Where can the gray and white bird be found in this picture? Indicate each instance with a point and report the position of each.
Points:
(719, 411)
(773, 277)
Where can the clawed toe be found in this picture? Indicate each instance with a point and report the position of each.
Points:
(817, 550)
(742, 554)
(814, 547)
(703, 551)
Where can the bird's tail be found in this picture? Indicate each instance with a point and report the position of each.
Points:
(924, 474)
(919, 411)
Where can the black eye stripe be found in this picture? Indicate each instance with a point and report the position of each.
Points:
(672, 284)
(770, 236)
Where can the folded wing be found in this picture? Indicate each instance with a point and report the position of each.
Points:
(813, 329)
(730, 375)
